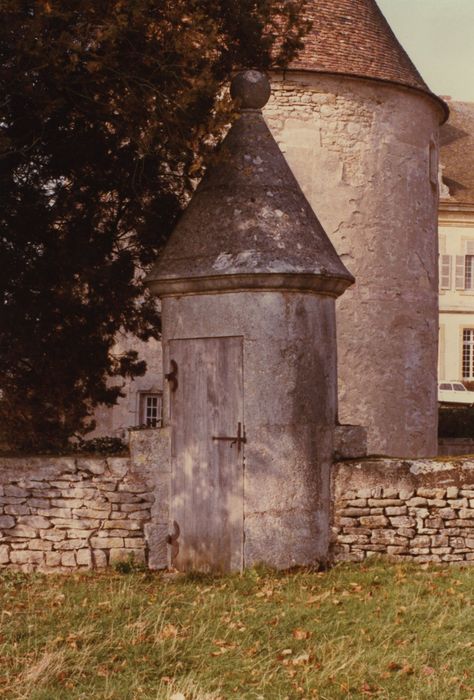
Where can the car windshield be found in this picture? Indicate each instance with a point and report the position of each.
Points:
(459, 387)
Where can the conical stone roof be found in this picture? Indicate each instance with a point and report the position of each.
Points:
(249, 224)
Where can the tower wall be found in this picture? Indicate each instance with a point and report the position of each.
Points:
(365, 154)
(289, 396)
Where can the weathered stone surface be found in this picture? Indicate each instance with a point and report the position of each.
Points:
(26, 557)
(106, 542)
(84, 557)
(402, 521)
(6, 522)
(99, 559)
(374, 521)
(68, 559)
(156, 537)
(92, 465)
(36, 521)
(22, 531)
(4, 554)
(17, 510)
(40, 545)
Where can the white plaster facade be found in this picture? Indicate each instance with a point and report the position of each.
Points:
(456, 246)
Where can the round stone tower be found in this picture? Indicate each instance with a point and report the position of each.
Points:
(248, 282)
(359, 128)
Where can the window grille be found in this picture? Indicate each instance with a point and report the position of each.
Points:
(468, 353)
(150, 410)
(469, 272)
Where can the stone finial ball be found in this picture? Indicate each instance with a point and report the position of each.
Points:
(251, 88)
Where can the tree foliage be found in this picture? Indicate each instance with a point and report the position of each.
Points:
(108, 111)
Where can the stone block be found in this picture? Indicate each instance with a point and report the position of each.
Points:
(55, 512)
(402, 521)
(122, 524)
(383, 502)
(72, 524)
(99, 559)
(107, 542)
(441, 541)
(351, 539)
(92, 465)
(357, 503)
(156, 541)
(141, 515)
(406, 494)
(436, 523)
(4, 554)
(38, 502)
(417, 502)
(17, 491)
(396, 510)
(349, 556)
(469, 542)
(458, 503)
(452, 492)
(67, 545)
(53, 558)
(37, 521)
(6, 522)
(53, 535)
(68, 503)
(133, 487)
(390, 492)
(396, 550)
(134, 542)
(133, 507)
(441, 550)
(419, 550)
(84, 557)
(122, 497)
(26, 557)
(431, 493)
(376, 511)
(452, 557)
(91, 513)
(40, 545)
(17, 510)
(447, 514)
(466, 513)
(119, 466)
(125, 555)
(437, 502)
(354, 512)
(429, 558)
(386, 537)
(374, 521)
(468, 493)
(68, 559)
(22, 531)
(421, 541)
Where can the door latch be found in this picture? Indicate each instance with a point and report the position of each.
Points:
(172, 376)
(239, 439)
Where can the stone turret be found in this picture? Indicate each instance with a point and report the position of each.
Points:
(248, 283)
(359, 128)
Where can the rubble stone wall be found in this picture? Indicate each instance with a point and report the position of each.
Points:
(64, 513)
(420, 510)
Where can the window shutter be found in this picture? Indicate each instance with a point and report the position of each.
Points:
(445, 272)
(459, 271)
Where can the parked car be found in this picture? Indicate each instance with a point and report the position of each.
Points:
(454, 392)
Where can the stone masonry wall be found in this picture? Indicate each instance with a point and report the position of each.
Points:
(65, 513)
(410, 510)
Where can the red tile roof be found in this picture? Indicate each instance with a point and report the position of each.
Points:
(457, 152)
(353, 37)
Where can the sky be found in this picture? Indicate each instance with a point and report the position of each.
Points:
(438, 35)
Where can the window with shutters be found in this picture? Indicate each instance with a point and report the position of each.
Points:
(468, 353)
(460, 271)
(445, 271)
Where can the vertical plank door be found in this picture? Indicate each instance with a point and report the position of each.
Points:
(207, 474)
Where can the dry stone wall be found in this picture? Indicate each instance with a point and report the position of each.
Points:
(410, 510)
(68, 513)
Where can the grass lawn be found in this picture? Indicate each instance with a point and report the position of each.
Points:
(380, 631)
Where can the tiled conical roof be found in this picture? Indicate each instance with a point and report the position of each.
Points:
(353, 37)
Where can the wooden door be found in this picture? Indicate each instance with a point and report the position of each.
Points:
(207, 474)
